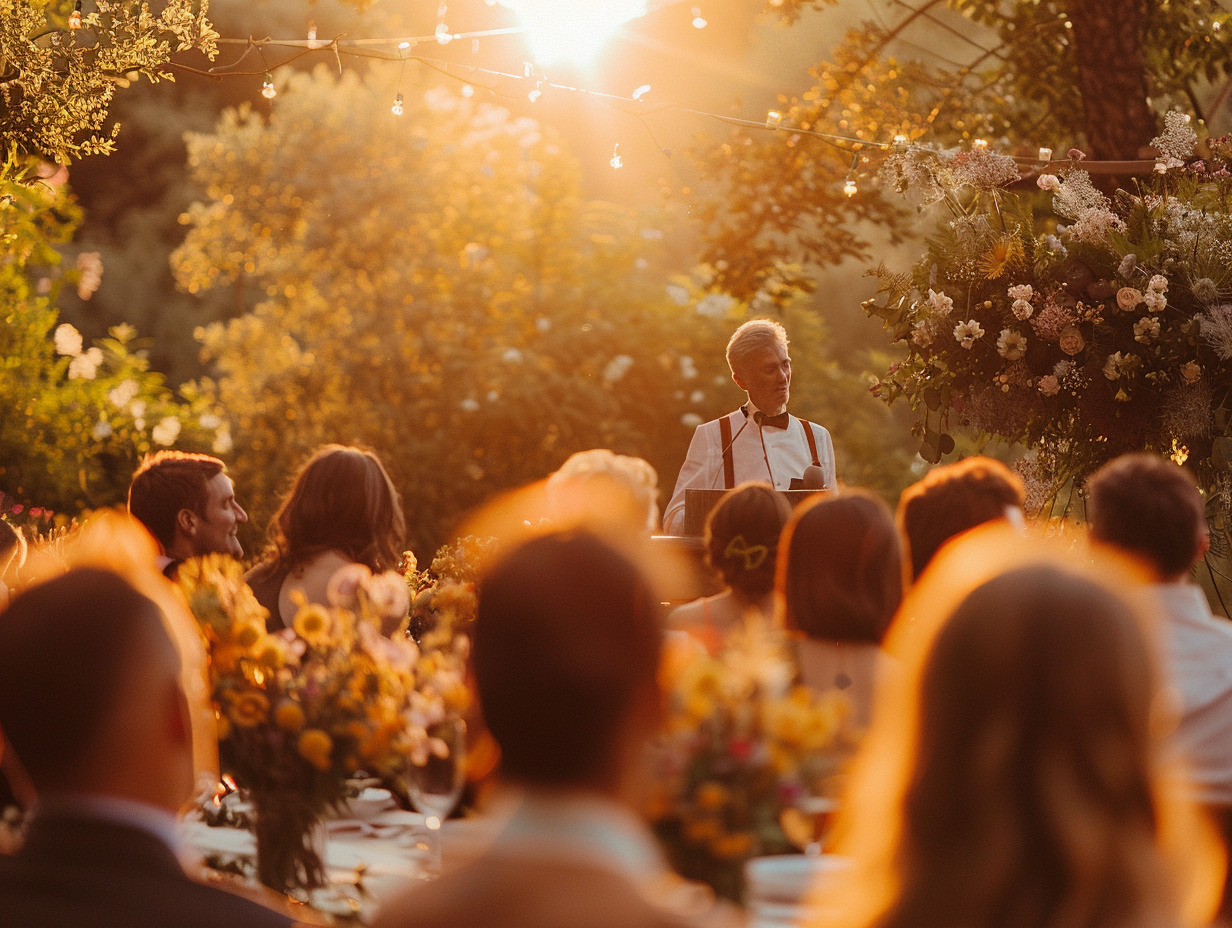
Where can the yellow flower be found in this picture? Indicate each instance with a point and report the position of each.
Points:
(248, 708)
(312, 623)
(246, 634)
(732, 847)
(1005, 251)
(315, 747)
(703, 830)
(289, 715)
(711, 796)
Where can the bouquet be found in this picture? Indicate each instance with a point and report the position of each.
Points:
(741, 747)
(302, 711)
(1105, 332)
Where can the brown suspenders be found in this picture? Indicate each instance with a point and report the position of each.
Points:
(729, 462)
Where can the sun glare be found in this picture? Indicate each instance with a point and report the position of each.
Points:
(572, 30)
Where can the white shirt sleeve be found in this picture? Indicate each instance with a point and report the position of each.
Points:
(825, 454)
(694, 473)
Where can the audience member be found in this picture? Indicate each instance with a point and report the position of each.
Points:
(840, 579)
(187, 502)
(1015, 777)
(342, 509)
(741, 544)
(92, 708)
(1149, 508)
(952, 499)
(601, 491)
(565, 656)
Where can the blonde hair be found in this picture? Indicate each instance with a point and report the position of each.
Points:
(1014, 778)
(600, 486)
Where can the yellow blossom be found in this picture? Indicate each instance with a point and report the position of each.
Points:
(312, 623)
(289, 715)
(315, 746)
(711, 796)
(733, 846)
(246, 634)
(248, 708)
(703, 830)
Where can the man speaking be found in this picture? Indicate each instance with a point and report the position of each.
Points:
(760, 440)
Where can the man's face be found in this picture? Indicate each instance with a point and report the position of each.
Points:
(766, 378)
(216, 527)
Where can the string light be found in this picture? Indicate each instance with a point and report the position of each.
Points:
(979, 145)
(699, 21)
(1045, 154)
(74, 18)
(900, 143)
(641, 91)
(267, 89)
(312, 35)
(849, 186)
(535, 94)
(774, 119)
(617, 162)
(396, 109)
(443, 35)
(468, 91)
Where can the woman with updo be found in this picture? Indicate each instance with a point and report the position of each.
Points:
(741, 544)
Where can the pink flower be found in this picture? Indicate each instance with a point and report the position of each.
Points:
(1071, 340)
(344, 585)
(1049, 385)
(1128, 298)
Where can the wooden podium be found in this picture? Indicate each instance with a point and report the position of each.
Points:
(698, 503)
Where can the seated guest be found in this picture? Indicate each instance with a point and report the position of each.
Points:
(1015, 775)
(565, 657)
(952, 499)
(342, 509)
(92, 708)
(839, 583)
(1149, 508)
(187, 502)
(761, 440)
(602, 491)
(741, 544)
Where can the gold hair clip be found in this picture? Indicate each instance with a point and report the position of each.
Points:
(754, 555)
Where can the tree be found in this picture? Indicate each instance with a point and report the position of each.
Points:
(436, 287)
(1093, 74)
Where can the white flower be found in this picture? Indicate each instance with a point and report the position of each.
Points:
(715, 305)
(85, 366)
(679, 295)
(123, 393)
(1128, 297)
(1049, 182)
(1022, 292)
(209, 421)
(617, 368)
(922, 333)
(688, 370)
(691, 420)
(166, 431)
(512, 356)
(1155, 300)
(1022, 309)
(493, 396)
(138, 408)
(102, 429)
(1112, 367)
(543, 324)
(1011, 345)
(697, 396)
(222, 442)
(1158, 282)
(469, 404)
(67, 340)
(1146, 329)
(940, 303)
(965, 333)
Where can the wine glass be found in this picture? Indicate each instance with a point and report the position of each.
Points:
(807, 823)
(435, 787)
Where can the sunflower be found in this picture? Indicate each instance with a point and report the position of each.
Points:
(1006, 250)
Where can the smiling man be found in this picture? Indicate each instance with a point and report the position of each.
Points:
(759, 441)
(187, 502)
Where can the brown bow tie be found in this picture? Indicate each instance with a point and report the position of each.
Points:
(777, 422)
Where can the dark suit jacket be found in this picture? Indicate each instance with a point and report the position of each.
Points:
(86, 873)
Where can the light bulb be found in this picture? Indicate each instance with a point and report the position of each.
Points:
(774, 119)
(267, 89)
(1045, 154)
(617, 163)
(442, 34)
(979, 144)
(900, 143)
(396, 109)
(534, 95)
(699, 21)
(850, 187)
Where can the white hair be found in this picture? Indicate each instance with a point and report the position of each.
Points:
(754, 336)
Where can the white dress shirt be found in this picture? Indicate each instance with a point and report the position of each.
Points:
(765, 453)
(1199, 664)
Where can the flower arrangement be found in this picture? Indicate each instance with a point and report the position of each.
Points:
(741, 746)
(443, 601)
(302, 711)
(1106, 332)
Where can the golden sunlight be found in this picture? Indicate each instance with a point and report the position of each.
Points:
(572, 30)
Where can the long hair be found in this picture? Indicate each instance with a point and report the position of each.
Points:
(1015, 778)
(840, 574)
(742, 538)
(342, 499)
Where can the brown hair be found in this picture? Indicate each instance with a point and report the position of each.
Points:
(951, 499)
(342, 498)
(742, 538)
(1015, 776)
(840, 575)
(166, 482)
(1150, 507)
(567, 643)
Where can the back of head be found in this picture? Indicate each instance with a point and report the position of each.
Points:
(840, 574)
(751, 338)
(566, 649)
(1149, 507)
(951, 499)
(166, 482)
(742, 537)
(1017, 778)
(67, 649)
(343, 499)
(598, 490)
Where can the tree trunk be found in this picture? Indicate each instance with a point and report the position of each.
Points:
(1107, 36)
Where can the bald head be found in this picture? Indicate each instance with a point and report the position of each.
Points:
(79, 656)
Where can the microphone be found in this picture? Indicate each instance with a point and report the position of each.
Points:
(814, 478)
